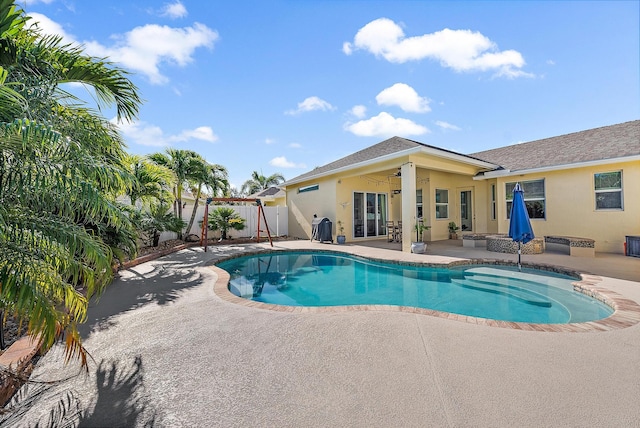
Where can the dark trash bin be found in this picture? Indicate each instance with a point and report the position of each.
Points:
(321, 229)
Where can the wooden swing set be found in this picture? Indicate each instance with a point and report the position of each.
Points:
(205, 222)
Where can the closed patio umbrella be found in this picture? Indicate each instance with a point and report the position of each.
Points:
(520, 227)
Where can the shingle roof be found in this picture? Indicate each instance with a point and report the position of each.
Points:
(384, 148)
(270, 191)
(608, 142)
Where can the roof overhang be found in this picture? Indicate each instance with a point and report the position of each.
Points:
(509, 173)
(397, 155)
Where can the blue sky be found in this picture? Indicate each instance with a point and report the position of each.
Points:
(285, 86)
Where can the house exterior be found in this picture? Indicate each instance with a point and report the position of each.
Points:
(584, 184)
(271, 197)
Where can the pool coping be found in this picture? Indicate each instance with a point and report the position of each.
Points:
(626, 311)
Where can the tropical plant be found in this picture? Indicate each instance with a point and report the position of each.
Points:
(185, 164)
(61, 168)
(224, 219)
(157, 219)
(259, 182)
(214, 178)
(419, 227)
(151, 181)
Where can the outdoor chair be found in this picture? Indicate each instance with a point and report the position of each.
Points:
(392, 233)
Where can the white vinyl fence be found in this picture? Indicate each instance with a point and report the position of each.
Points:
(277, 219)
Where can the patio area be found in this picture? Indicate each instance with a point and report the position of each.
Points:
(605, 264)
(168, 351)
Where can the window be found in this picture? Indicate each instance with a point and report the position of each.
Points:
(419, 203)
(493, 202)
(608, 188)
(308, 188)
(534, 198)
(442, 203)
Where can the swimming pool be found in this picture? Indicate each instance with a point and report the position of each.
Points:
(484, 291)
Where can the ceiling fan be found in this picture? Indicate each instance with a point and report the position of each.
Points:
(397, 174)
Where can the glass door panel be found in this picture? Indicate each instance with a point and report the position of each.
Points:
(358, 215)
(371, 214)
(382, 214)
(466, 211)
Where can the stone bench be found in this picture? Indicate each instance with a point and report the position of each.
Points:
(580, 247)
(504, 244)
(472, 240)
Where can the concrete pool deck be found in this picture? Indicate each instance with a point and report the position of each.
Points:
(168, 351)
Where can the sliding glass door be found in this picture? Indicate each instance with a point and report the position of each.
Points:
(369, 214)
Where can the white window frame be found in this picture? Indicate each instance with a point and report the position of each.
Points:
(609, 190)
(310, 188)
(440, 204)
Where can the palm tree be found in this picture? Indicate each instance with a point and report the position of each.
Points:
(215, 179)
(259, 182)
(185, 164)
(225, 218)
(61, 168)
(156, 220)
(152, 181)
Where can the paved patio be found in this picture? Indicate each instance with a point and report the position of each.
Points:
(168, 351)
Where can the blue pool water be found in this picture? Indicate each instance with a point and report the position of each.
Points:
(335, 279)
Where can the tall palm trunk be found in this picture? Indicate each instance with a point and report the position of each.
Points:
(175, 201)
(193, 214)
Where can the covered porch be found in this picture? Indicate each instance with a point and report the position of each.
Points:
(387, 200)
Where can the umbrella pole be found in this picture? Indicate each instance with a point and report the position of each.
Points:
(519, 252)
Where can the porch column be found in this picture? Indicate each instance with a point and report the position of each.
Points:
(408, 183)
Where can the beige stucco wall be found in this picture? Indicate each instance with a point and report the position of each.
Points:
(570, 206)
(275, 202)
(302, 206)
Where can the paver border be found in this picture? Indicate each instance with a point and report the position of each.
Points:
(626, 311)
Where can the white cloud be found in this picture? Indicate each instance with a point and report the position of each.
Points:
(405, 97)
(152, 135)
(311, 104)
(358, 111)
(143, 133)
(445, 125)
(269, 141)
(295, 145)
(203, 133)
(282, 162)
(174, 10)
(461, 50)
(143, 49)
(385, 125)
(48, 26)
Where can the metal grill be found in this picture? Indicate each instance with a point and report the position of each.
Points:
(321, 229)
(633, 246)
